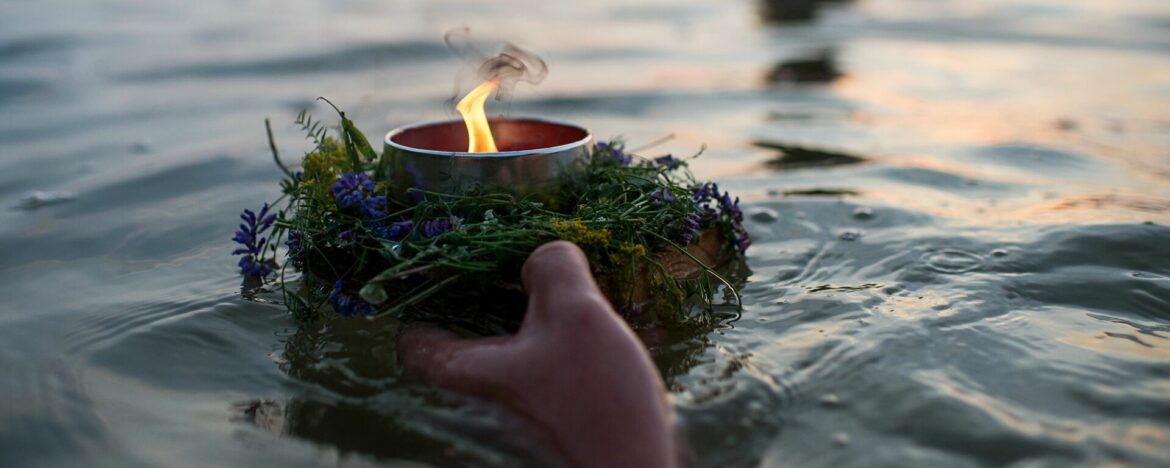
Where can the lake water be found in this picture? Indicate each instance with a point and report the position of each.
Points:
(961, 214)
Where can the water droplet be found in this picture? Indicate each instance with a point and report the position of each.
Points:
(952, 261)
(840, 439)
(36, 199)
(999, 253)
(863, 213)
(850, 235)
(764, 215)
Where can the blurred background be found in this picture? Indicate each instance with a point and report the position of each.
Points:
(959, 210)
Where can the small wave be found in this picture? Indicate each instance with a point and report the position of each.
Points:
(38, 199)
(345, 58)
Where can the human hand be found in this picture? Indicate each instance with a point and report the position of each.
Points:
(575, 369)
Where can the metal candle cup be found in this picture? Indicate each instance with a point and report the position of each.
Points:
(533, 154)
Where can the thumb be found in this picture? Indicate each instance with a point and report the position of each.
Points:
(559, 283)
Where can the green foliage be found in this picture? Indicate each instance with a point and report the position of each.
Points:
(438, 246)
(314, 129)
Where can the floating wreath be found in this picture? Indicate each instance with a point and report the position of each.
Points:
(352, 248)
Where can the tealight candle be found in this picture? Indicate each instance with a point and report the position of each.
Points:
(522, 154)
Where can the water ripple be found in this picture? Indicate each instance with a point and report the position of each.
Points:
(337, 59)
(952, 261)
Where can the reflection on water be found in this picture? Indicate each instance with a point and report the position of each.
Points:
(792, 156)
(781, 11)
(820, 68)
(959, 211)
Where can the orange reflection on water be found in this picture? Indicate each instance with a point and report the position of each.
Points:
(978, 92)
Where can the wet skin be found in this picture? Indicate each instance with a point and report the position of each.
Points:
(575, 369)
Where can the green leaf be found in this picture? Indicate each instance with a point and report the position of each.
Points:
(347, 137)
(373, 293)
(359, 140)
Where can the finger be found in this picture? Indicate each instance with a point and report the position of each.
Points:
(422, 347)
(442, 358)
(558, 282)
(557, 265)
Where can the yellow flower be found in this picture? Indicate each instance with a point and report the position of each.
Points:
(324, 163)
(578, 233)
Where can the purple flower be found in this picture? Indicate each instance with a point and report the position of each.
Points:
(704, 192)
(435, 227)
(249, 266)
(661, 196)
(347, 304)
(617, 151)
(354, 193)
(293, 242)
(248, 235)
(731, 208)
(702, 196)
(374, 207)
(668, 162)
(742, 241)
(346, 237)
(707, 197)
(689, 230)
(395, 232)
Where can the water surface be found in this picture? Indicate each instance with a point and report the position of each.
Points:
(960, 212)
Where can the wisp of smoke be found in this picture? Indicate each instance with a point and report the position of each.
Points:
(510, 66)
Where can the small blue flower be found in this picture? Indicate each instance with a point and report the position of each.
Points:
(354, 193)
(248, 235)
(742, 241)
(346, 304)
(249, 266)
(690, 229)
(707, 197)
(617, 151)
(346, 237)
(293, 242)
(669, 162)
(395, 232)
(704, 192)
(435, 227)
(730, 207)
(661, 196)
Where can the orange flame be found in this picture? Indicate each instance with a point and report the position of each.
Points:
(479, 134)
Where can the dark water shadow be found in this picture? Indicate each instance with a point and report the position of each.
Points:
(795, 157)
(13, 89)
(22, 49)
(821, 67)
(820, 192)
(789, 11)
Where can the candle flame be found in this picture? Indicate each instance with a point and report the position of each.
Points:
(479, 134)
